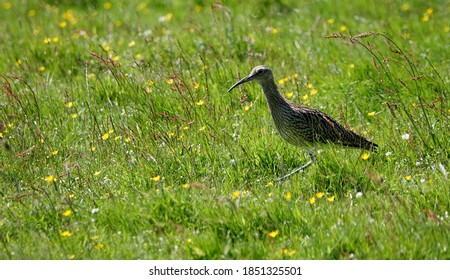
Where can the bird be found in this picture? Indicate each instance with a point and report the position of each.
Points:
(301, 125)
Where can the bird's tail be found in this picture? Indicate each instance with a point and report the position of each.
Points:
(371, 146)
(363, 144)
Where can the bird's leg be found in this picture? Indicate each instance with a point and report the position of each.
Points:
(312, 159)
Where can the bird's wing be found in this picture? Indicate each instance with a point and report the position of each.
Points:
(321, 128)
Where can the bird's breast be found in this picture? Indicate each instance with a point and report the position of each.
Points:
(289, 125)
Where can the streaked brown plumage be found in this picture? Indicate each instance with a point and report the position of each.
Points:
(300, 125)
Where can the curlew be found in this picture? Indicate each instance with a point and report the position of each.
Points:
(300, 125)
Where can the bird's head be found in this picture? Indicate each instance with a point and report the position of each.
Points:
(259, 74)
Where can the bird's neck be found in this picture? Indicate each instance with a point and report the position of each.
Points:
(273, 97)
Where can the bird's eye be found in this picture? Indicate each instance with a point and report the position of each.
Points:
(259, 71)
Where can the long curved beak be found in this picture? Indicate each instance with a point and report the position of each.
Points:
(244, 80)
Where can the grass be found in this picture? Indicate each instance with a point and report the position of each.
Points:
(121, 142)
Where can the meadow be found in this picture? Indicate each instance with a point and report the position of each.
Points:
(120, 140)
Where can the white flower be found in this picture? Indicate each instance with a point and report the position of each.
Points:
(405, 136)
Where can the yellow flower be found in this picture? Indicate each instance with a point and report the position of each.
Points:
(156, 178)
(408, 177)
(198, 8)
(288, 196)
(115, 58)
(55, 39)
(185, 186)
(96, 173)
(289, 94)
(106, 47)
(69, 16)
(74, 115)
(169, 16)
(319, 195)
(54, 153)
(99, 246)
(312, 200)
(202, 128)
(107, 5)
(370, 114)
(427, 14)
(342, 28)
(247, 107)
(70, 104)
(31, 13)
(71, 257)
(288, 252)
(67, 213)
(351, 66)
(330, 199)
(405, 7)
(7, 5)
(200, 102)
(314, 91)
(330, 20)
(405, 35)
(196, 85)
(169, 81)
(41, 68)
(131, 43)
(269, 184)
(274, 30)
(47, 41)
(142, 6)
(65, 233)
(305, 97)
(63, 24)
(309, 85)
(365, 156)
(274, 233)
(235, 195)
(93, 148)
(50, 178)
(105, 136)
